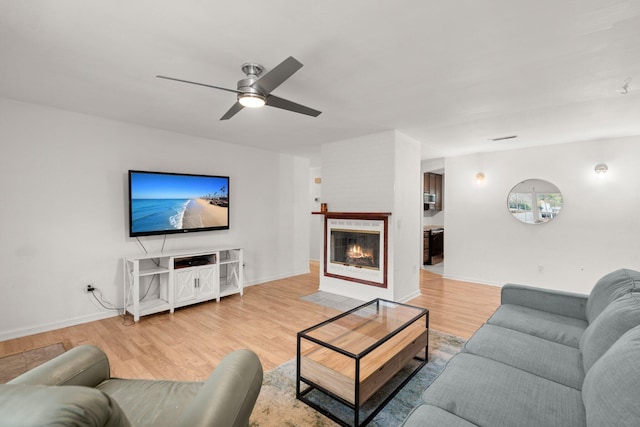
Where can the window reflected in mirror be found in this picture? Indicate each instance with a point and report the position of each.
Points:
(534, 201)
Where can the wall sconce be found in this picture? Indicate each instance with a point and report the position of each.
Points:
(601, 169)
(479, 178)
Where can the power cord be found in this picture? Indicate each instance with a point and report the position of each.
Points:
(97, 295)
(95, 292)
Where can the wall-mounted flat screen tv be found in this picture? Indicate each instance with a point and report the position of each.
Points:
(166, 203)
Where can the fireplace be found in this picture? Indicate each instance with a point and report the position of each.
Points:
(356, 248)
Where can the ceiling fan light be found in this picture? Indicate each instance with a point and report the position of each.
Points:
(251, 100)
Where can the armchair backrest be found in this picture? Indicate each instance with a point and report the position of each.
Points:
(229, 395)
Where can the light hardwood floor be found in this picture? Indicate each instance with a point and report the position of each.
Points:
(189, 344)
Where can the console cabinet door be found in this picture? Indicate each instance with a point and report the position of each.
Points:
(206, 285)
(185, 285)
(195, 284)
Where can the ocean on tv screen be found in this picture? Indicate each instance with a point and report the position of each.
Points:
(157, 214)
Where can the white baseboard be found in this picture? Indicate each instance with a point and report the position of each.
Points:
(472, 280)
(17, 333)
(275, 277)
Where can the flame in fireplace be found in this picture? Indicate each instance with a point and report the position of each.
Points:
(357, 252)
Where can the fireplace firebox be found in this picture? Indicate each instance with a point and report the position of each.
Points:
(356, 247)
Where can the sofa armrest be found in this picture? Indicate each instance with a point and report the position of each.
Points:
(37, 405)
(85, 365)
(229, 395)
(552, 301)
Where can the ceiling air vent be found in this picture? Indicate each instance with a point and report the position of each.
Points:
(502, 138)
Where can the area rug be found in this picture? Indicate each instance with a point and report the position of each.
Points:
(277, 405)
(15, 364)
(328, 299)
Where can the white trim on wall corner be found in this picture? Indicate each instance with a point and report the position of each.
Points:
(410, 297)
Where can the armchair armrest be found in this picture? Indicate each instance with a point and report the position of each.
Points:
(229, 395)
(552, 301)
(23, 405)
(85, 365)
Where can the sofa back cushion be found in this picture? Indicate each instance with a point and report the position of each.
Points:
(617, 318)
(609, 288)
(610, 391)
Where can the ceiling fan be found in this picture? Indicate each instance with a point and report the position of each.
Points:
(255, 91)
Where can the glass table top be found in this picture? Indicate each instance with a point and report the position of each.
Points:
(364, 327)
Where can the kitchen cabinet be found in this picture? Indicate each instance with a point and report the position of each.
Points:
(433, 188)
(433, 248)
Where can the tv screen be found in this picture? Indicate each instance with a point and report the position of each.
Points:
(165, 203)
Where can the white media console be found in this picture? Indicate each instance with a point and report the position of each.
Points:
(163, 281)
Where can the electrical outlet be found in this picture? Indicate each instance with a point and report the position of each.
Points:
(89, 288)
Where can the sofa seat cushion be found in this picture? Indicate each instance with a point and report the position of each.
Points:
(489, 393)
(609, 288)
(611, 391)
(547, 359)
(432, 416)
(553, 327)
(620, 316)
(24, 405)
(163, 402)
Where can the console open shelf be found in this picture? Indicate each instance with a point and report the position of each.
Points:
(159, 282)
(151, 271)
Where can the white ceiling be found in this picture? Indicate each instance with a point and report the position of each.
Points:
(450, 74)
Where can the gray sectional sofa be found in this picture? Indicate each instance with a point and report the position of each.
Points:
(546, 358)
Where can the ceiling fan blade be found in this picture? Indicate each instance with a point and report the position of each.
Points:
(232, 111)
(199, 84)
(285, 104)
(277, 75)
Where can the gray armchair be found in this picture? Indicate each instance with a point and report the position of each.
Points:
(76, 388)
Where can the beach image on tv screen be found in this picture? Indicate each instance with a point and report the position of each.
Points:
(165, 202)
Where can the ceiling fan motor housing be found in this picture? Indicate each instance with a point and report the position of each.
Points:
(252, 71)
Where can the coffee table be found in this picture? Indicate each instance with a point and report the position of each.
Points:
(349, 357)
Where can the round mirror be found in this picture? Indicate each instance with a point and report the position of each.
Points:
(534, 201)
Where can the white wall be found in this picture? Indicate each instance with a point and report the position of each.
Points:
(358, 174)
(596, 232)
(63, 181)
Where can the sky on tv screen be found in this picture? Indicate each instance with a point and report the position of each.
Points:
(161, 186)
